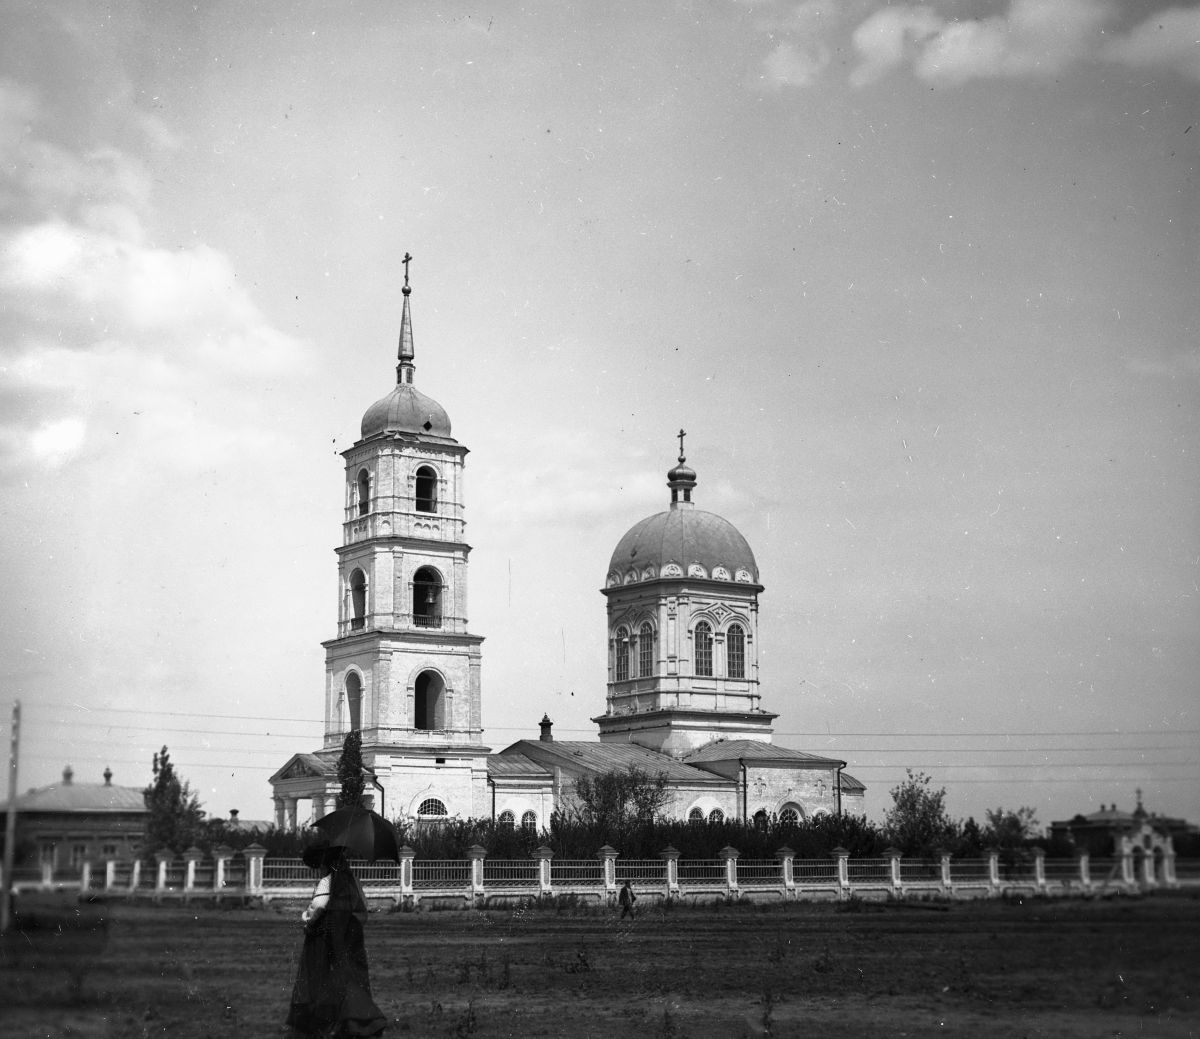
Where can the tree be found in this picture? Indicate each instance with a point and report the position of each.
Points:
(350, 771)
(612, 799)
(176, 818)
(1011, 832)
(917, 823)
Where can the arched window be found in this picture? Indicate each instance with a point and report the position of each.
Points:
(426, 491)
(716, 816)
(427, 598)
(529, 822)
(354, 700)
(432, 808)
(364, 492)
(358, 600)
(646, 650)
(696, 815)
(735, 652)
(621, 651)
(507, 820)
(760, 820)
(703, 649)
(790, 815)
(429, 702)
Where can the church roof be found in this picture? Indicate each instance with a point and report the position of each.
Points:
(684, 537)
(760, 753)
(582, 756)
(69, 796)
(513, 764)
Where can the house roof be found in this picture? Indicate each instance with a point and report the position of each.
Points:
(69, 796)
(759, 753)
(582, 756)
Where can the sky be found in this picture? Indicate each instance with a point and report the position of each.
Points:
(919, 281)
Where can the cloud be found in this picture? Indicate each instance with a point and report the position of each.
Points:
(1032, 38)
(111, 342)
(1169, 39)
(788, 65)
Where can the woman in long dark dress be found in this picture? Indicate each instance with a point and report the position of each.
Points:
(332, 994)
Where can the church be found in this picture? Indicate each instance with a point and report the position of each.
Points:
(683, 696)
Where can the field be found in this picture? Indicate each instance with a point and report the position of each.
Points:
(1062, 968)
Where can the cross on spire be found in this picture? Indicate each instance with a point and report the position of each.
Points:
(407, 261)
(681, 434)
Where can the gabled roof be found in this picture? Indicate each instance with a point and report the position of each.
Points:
(759, 753)
(514, 765)
(81, 797)
(300, 765)
(581, 756)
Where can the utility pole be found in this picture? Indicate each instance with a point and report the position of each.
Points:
(10, 823)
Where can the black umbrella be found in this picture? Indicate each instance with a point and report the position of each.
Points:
(362, 832)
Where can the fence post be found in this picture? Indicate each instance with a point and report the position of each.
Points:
(406, 873)
(671, 857)
(1039, 868)
(190, 857)
(843, 871)
(47, 874)
(730, 855)
(1168, 865)
(894, 855)
(993, 856)
(608, 855)
(1085, 870)
(254, 854)
(1127, 865)
(110, 874)
(544, 855)
(222, 853)
(947, 878)
(476, 854)
(786, 857)
(163, 857)
(135, 876)
(85, 877)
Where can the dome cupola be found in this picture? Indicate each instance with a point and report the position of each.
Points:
(406, 409)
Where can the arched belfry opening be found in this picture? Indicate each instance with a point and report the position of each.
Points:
(364, 492)
(426, 490)
(358, 600)
(427, 598)
(429, 701)
(354, 692)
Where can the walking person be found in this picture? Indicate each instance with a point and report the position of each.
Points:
(331, 998)
(625, 899)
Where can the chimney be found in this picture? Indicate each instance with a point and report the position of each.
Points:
(107, 776)
(68, 775)
(546, 725)
(233, 820)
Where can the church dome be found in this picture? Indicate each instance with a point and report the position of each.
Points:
(406, 410)
(684, 538)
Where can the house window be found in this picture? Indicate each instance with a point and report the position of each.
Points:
(646, 650)
(529, 822)
(427, 598)
(621, 650)
(433, 808)
(364, 492)
(429, 701)
(735, 651)
(704, 650)
(358, 600)
(507, 820)
(716, 816)
(426, 490)
(696, 815)
(354, 700)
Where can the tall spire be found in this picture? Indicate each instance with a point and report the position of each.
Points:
(406, 367)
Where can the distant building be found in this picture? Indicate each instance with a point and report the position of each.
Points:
(67, 823)
(683, 687)
(1111, 830)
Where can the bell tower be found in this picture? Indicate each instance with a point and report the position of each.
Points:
(404, 670)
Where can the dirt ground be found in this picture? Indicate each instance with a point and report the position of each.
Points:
(1062, 968)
